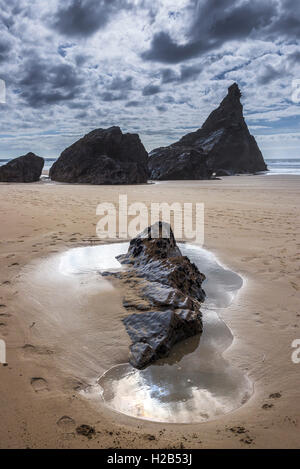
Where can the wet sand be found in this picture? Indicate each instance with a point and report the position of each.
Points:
(252, 225)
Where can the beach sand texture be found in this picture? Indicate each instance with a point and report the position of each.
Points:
(252, 224)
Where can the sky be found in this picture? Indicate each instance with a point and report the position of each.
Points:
(152, 67)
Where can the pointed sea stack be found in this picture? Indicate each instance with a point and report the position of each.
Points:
(223, 146)
(104, 156)
(26, 168)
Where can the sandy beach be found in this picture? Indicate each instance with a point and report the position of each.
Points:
(252, 225)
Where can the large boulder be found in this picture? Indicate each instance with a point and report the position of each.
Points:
(223, 145)
(26, 168)
(103, 156)
(163, 293)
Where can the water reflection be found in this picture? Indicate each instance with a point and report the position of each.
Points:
(175, 394)
(221, 284)
(194, 384)
(92, 259)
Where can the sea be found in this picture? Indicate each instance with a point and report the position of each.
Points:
(283, 166)
(275, 166)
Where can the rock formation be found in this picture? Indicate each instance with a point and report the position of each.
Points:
(163, 292)
(178, 162)
(26, 168)
(104, 156)
(223, 146)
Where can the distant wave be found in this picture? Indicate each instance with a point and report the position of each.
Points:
(284, 166)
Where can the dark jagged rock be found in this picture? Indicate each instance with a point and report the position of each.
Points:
(178, 162)
(103, 156)
(155, 332)
(156, 257)
(164, 289)
(26, 168)
(223, 145)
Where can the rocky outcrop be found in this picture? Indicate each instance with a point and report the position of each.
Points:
(104, 156)
(223, 146)
(178, 162)
(163, 292)
(26, 168)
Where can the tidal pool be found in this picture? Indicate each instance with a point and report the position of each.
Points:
(78, 314)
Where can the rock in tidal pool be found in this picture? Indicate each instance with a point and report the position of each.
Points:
(165, 294)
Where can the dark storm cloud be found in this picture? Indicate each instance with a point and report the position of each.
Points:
(82, 18)
(225, 20)
(81, 115)
(187, 73)
(84, 103)
(169, 99)
(6, 21)
(14, 7)
(161, 108)
(168, 75)
(164, 49)
(149, 90)
(133, 104)
(109, 96)
(287, 22)
(213, 23)
(81, 59)
(118, 89)
(43, 83)
(119, 83)
(62, 49)
(5, 48)
(294, 57)
(9, 12)
(270, 74)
